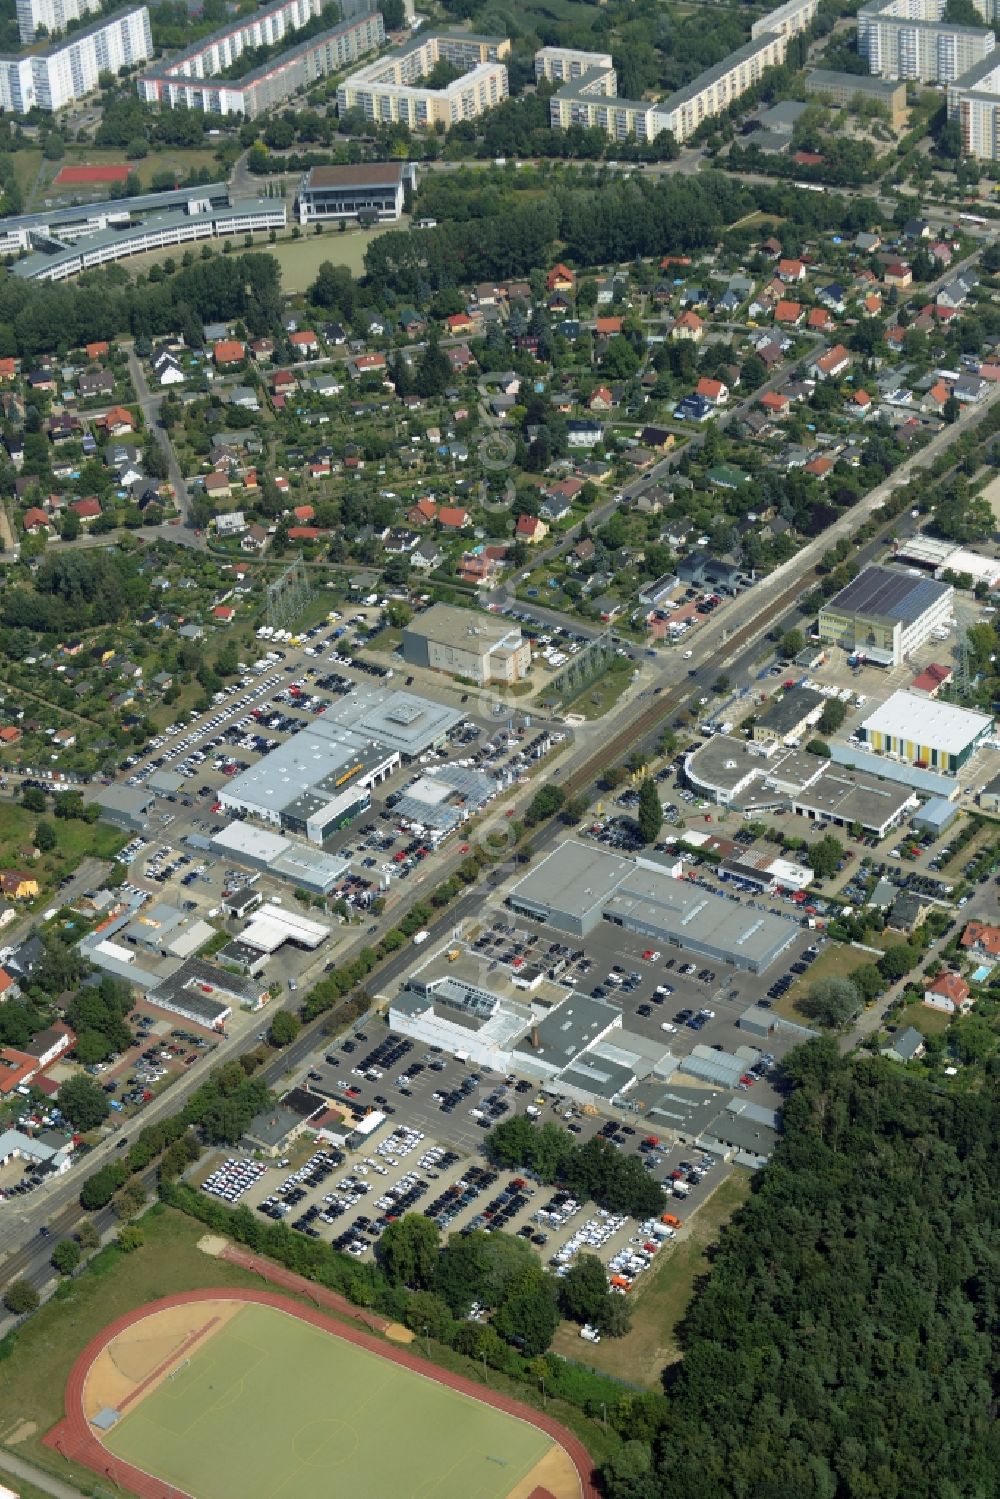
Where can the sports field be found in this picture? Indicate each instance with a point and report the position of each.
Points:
(254, 1403)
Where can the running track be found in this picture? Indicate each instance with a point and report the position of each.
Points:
(74, 1439)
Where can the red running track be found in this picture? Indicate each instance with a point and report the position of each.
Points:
(74, 1438)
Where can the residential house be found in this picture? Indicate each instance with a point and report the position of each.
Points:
(897, 273)
(231, 523)
(427, 556)
(304, 343)
(584, 433)
(906, 1046)
(832, 296)
(688, 326)
(254, 540)
(217, 486)
(607, 327)
(87, 509)
(118, 422)
(660, 439)
(831, 364)
(791, 271)
(167, 368)
(820, 320)
(982, 940)
(560, 279)
(95, 384)
(422, 513)
(478, 568)
(459, 323)
(453, 518)
(360, 365)
(18, 884)
(35, 521)
(933, 401)
(969, 389)
(601, 400)
(789, 314)
(948, 992)
(775, 402)
(715, 391)
(531, 529)
(228, 352)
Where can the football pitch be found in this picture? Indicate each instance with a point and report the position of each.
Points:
(270, 1406)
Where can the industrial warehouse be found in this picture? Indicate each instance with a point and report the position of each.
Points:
(924, 731)
(577, 886)
(319, 781)
(885, 614)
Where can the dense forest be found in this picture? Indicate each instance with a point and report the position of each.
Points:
(844, 1345)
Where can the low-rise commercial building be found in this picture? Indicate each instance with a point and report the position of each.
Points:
(925, 732)
(481, 647)
(886, 613)
(845, 90)
(373, 190)
(577, 886)
(198, 217)
(789, 716)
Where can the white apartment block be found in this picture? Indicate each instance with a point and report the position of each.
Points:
(788, 20)
(69, 69)
(567, 64)
(907, 39)
(974, 101)
(388, 90)
(591, 102)
(187, 80)
(54, 15)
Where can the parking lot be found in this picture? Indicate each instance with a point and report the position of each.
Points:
(349, 1199)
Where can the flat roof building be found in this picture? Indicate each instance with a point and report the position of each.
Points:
(844, 797)
(844, 90)
(125, 806)
(579, 885)
(374, 190)
(465, 643)
(909, 39)
(271, 853)
(788, 716)
(886, 613)
(925, 732)
(391, 89)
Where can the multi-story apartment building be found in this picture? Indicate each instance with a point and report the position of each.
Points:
(392, 89)
(788, 20)
(188, 80)
(70, 68)
(590, 100)
(568, 64)
(974, 101)
(908, 39)
(54, 15)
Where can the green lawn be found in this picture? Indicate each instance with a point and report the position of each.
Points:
(76, 841)
(33, 1375)
(927, 1021)
(270, 1407)
(599, 696)
(661, 1297)
(837, 960)
(300, 259)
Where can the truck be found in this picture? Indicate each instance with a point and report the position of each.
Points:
(671, 1220)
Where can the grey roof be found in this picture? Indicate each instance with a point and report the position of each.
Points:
(464, 629)
(691, 916)
(203, 975)
(77, 213)
(864, 84)
(130, 800)
(855, 796)
(888, 593)
(597, 1075)
(569, 1029)
(271, 1126)
(784, 714)
(719, 1067)
(715, 72)
(576, 877)
(907, 1045)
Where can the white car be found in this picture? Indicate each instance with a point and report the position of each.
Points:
(687, 655)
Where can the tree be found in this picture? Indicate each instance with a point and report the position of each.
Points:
(20, 1297)
(650, 811)
(407, 1252)
(792, 643)
(825, 855)
(130, 1238)
(45, 837)
(583, 1291)
(433, 371)
(66, 1256)
(83, 1102)
(833, 715)
(130, 1201)
(86, 1234)
(284, 1028)
(33, 797)
(833, 1002)
(528, 1316)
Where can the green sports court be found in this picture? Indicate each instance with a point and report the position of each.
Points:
(270, 1407)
